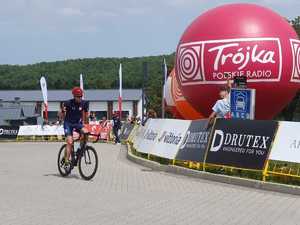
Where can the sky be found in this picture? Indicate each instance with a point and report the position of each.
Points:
(35, 31)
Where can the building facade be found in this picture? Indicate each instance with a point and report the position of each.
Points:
(102, 102)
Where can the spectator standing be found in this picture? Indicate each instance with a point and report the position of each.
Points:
(93, 117)
(116, 127)
(150, 114)
(221, 109)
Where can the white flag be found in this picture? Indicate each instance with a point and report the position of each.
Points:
(165, 78)
(45, 96)
(44, 89)
(81, 82)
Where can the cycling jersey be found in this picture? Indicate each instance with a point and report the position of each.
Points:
(74, 111)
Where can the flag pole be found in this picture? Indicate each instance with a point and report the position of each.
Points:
(145, 77)
(164, 71)
(120, 92)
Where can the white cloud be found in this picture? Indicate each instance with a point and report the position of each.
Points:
(103, 13)
(136, 11)
(70, 12)
(86, 29)
(183, 3)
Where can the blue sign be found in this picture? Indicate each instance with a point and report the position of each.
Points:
(242, 103)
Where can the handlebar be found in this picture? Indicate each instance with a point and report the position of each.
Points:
(95, 135)
(88, 134)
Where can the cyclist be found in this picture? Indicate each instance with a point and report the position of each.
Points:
(75, 114)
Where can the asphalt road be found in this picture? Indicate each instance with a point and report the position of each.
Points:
(32, 192)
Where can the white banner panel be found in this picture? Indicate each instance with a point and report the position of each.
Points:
(147, 136)
(28, 130)
(171, 138)
(286, 146)
(38, 130)
(161, 137)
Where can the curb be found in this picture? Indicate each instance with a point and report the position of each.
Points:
(266, 186)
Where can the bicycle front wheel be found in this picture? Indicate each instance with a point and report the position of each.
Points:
(88, 163)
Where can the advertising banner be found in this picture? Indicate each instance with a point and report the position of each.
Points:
(126, 130)
(195, 141)
(138, 137)
(9, 132)
(286, 146)
(147, 137)
(208, 60)
(170, 137)
(162, 137)
(241, 143)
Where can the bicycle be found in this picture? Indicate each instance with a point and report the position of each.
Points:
(84, 156)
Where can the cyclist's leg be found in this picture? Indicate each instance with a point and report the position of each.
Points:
(83, 131)
(69, 140)
(85, 134)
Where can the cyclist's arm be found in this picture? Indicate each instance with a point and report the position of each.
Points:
(62, 113)
(85, 115)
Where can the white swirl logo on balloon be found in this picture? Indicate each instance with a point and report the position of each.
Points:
(177, 94)
(260, 59)
(189, 62)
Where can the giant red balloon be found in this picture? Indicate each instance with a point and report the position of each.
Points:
(242, 40)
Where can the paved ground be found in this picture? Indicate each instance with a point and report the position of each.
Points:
(32, 192)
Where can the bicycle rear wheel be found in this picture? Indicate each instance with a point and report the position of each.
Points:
(61, 162)
(88, 163)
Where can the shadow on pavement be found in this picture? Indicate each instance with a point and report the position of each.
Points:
(72, 176)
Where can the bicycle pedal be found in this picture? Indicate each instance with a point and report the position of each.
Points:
(67, 168)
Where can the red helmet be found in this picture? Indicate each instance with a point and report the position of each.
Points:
(77, 92)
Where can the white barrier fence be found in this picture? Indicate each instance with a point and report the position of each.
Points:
(38, 130)
(163, 137)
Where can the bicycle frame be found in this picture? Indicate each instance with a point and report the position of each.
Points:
(81, 150)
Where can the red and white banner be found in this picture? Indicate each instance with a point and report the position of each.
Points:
(43, 84)
(53, 130)
(104, 131)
